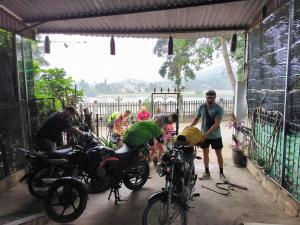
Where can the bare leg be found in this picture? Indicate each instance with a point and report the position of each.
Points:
(206, 157)
(220, 157)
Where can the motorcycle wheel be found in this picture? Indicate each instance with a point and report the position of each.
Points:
(154, 213)
(137, 176)
(65, 200)
(35, 184)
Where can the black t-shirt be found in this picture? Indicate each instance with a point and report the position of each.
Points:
(53, 127)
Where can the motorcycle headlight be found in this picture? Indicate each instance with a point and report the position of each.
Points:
(161, 169)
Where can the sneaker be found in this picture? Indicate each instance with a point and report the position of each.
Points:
(205, 176)
(223, 178)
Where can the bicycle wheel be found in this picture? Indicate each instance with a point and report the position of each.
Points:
(155, 213)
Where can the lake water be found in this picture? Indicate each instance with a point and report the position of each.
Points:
(123, 97)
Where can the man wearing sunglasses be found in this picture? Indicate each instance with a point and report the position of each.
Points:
(211, 114)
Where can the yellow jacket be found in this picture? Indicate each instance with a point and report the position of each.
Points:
(193, 135)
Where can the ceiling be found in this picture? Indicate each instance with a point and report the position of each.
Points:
(135, 18)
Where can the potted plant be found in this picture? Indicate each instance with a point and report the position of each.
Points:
(238, 156)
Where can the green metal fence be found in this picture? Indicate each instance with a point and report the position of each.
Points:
(267, 149)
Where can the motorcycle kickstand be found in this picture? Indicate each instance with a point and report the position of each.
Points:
(117, 196)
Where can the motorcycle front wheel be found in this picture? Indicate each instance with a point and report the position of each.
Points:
(155, 213)
(65, 200)
(137, 176)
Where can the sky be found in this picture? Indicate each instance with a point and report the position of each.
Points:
(89, 58)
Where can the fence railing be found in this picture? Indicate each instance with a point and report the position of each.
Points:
(104, 109)
(267, 150)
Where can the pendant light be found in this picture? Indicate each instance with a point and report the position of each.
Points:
(47, 45)
(112, 46)
(170, 46)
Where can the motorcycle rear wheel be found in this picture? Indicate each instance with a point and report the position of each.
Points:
(70, 197)
(137, 176)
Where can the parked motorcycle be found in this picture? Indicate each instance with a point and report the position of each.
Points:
(43, 168)
(169, 206)
(66, 199)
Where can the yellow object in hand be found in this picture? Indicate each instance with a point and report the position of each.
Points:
(193, 135)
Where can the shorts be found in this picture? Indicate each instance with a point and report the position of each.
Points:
(215, 143)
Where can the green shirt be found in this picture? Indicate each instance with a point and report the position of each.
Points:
(141, 132)
(113, 116)
(215, 111)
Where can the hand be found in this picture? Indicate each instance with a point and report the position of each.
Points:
(205, 136)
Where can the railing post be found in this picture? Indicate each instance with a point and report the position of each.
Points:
(97, 124)
(286, 93)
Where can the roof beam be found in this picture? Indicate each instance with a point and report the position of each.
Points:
(144, 31)
(131, 10)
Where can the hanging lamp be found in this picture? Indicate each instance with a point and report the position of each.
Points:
(112, 46)
(233, 43)
(170, 46)
(47, 45)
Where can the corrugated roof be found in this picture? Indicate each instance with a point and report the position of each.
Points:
(137, 18)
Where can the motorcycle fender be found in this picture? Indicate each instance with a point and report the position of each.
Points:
(163, 195)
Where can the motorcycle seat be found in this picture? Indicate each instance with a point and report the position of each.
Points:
(124, 152)
(61, 153)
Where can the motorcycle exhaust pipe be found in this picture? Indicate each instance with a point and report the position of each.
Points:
(49, 180)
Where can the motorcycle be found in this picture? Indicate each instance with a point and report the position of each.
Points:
(43, 168)
(169, 206)
(66, 199)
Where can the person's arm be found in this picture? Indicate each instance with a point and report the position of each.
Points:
(195, 121)
(75, 131)
(197, 117)
(217, 123)
(213, 127)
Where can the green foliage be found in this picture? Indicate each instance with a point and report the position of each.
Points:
(54, 83)
(181, 65)
(107, 143)
(190, 55)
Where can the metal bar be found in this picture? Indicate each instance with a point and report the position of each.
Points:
(30, 27)
(288, 71)
(26, 93)
(97, 124)
(144, 31)
(15, 71)
(131, 10)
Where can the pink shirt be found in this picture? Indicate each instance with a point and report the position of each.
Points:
(143, 116)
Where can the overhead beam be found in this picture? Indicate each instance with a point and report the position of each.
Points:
(128, 11)
(143, 31)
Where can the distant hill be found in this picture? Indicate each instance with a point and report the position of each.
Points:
(211, 78)
(214, 77)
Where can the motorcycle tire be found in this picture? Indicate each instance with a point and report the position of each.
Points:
(66, 199)
(152, 215)
(134, 185)
(35, 178)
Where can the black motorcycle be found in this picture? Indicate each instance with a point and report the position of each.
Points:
(169, 206)
(43, 168)
(66, 199)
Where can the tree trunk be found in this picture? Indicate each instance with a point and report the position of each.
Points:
(228, 64)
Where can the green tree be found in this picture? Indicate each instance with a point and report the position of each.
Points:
(54, 83)
(189, 55)
(181, 65)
